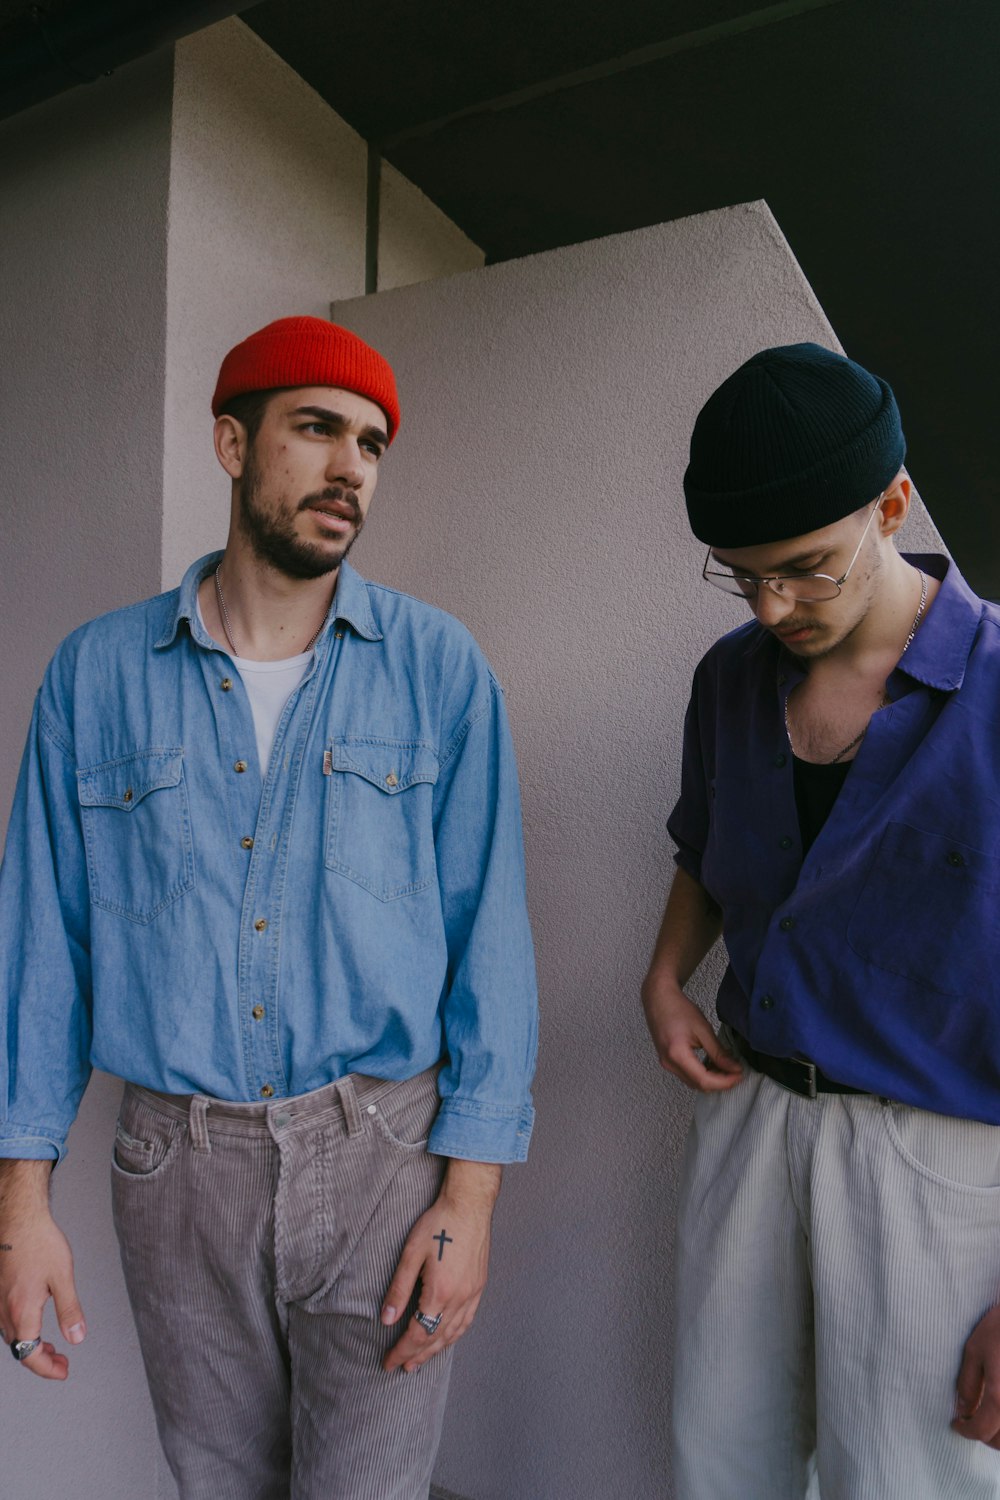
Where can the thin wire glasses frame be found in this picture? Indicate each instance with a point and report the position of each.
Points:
(807, 588)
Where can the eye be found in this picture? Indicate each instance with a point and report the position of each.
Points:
(371, 446)
(316, 426)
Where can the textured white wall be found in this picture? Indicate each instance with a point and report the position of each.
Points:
(535, 491)
(267, 219)
(83, 238)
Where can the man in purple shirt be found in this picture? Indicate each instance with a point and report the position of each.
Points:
(838, 1258)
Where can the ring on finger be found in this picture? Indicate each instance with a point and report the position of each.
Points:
(428, 1324)
(24, 1348)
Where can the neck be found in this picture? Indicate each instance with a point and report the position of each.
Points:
(878, 638)
(270, 615)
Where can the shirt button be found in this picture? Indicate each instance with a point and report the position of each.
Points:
(267, 1092)
(786, 924)
(954, 858)
(780, 760)
(392, 779)
(226, 684)
(767, 1002)
(258, 1012)
(339, 635)
(246, 843)
(240, 765)
(785, 843)
(260, 924)
(127, 795)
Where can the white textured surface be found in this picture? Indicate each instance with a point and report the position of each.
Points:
(83, 266)
(535, 491)
(267, 220)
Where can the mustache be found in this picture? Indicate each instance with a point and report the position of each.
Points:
(339, 495)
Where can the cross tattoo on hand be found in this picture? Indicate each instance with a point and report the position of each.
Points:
(445, 1239)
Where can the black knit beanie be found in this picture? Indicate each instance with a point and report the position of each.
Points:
(795, 439)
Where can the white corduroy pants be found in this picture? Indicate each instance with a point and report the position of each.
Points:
(833, 1255)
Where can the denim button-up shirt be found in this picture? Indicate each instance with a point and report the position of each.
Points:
(877, 954)
(173, 917)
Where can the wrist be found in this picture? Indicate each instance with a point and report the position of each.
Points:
(24, 1190)
(472, 1186)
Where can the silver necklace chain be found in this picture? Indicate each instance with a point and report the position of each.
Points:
(885, 697)
(227, 627)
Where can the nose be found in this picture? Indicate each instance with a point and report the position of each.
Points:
(769, 607)
(344, 463)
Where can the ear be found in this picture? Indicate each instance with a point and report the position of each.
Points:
(230, 438)
(895, 504)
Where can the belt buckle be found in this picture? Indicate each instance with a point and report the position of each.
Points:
(808, 1087)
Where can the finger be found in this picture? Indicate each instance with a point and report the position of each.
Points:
(68, 1309)
(720, 1057)
(403, 1283)
(968, 1386)
(983, 1422)
(683, 1061)
(46, 1363)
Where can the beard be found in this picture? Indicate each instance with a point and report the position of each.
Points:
(272, 534)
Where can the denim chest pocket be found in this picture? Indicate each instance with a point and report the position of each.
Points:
(929, 911)
(137, 833)
(379, 824)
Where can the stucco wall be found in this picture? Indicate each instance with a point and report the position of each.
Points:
(535, 491)
(112, 327)
(267, 218)
(83, 237)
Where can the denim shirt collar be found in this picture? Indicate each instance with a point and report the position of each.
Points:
(350, 603)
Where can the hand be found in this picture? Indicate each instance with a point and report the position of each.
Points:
(35, 1263)
(977, 1407)
(448, 1249)
(680, 1033)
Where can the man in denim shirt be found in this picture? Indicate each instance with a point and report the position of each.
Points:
(265, 864)
(838, 1256)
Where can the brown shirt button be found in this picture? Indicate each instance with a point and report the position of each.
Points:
(260, 924)
(267, 1092)
(240, 765)
(246, 843)
(226, 684)
(258, 1012)
(127, 796)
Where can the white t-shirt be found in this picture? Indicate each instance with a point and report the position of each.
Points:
(269, 686)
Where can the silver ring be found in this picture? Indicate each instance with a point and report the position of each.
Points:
(429, 1325)
(24, 1348)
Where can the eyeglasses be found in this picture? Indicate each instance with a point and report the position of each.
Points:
(806, 588)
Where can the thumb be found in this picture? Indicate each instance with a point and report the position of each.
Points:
(721, 1059)
(403, 1282)
(969, 1386)
(67, 1305)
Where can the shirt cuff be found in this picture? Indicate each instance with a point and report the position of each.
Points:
(481, 1132)
(689, 861)
(29, 1143)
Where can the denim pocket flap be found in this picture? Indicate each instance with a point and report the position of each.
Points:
(124, 783)
(391, 765)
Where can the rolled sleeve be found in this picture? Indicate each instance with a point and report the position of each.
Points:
(489, 1012)
(45, 1010)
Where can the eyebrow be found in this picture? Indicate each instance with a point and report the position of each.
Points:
(337, 419)
(820, 555)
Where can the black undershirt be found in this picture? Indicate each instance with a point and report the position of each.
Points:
(816, 790)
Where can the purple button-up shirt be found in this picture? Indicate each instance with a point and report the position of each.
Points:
(877, 954)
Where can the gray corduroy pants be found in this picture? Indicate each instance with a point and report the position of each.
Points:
(258, 1241)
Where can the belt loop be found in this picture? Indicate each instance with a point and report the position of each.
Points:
(198, 1124)
(350, 1106)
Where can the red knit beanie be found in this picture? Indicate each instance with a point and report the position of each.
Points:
(307, 351)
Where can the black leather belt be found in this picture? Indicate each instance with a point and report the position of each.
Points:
(795, 1073)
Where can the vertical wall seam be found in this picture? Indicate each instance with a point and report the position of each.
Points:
(373, 208)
